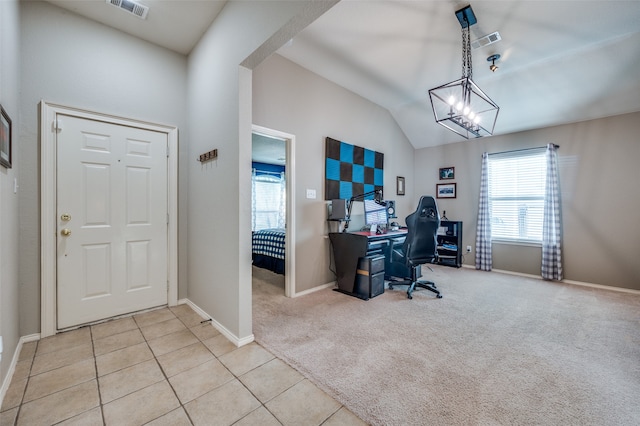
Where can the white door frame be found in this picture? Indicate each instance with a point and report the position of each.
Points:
(289, 172)
(48, 200)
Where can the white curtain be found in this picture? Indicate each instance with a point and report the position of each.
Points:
(268, 201)
(552, 225)
(483, 230)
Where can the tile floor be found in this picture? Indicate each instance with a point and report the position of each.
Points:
(163, 367)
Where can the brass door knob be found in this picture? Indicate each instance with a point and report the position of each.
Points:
(66, 232)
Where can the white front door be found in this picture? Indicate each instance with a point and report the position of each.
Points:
(111, 220)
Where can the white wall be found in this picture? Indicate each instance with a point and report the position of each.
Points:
(599, 175)
(291, 99)
(9, 98)
(76, 62)
(219, 94)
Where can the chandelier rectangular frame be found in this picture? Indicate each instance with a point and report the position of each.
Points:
(460, 105)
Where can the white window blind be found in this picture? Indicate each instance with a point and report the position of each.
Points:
(516, 195)
(269, 202)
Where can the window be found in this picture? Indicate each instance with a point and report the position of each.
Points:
(269, 202)
(516, 195)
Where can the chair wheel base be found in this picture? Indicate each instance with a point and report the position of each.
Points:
(427, 285)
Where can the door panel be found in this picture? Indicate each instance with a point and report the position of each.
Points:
(96, 192)
(112, 184)
(97, 268)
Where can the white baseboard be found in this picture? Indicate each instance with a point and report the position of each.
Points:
(573, 282)
(314, 289)
(603, 287)
(12, 367)
(222, 329)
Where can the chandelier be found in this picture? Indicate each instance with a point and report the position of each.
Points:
(461, 106)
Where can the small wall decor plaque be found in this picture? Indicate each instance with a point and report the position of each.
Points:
(5, 138)
(447, 173)
(445, 190)
(399, 185)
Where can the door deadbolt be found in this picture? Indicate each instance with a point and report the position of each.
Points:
(66, 217)
(66, 232)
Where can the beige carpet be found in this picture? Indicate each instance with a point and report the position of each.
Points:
(497, 349)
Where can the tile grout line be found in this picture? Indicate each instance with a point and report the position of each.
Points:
(164, 373)
(226, 368)
(262, 404)
(217, 359)
(24, 391)
(33, 359)
(146, 341)
(95, 364)
(232, 373)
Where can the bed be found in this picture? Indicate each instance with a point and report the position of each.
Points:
(268, 249)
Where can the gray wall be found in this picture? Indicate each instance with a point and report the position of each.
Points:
(73, 61)
(293, 100)
(219, 103)
(9, 98)
(599, 175)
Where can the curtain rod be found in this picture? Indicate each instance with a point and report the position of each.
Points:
(523, 149)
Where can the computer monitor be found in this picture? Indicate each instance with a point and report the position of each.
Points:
(374, 213)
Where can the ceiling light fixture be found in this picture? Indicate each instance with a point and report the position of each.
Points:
(461, 106)
(493, 58)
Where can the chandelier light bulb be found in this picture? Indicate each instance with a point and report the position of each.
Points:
(466, 110)
(452, 100)
(459, 106)
(476, 120)
(471, 115)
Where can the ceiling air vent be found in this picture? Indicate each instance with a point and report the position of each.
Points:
(486, 40)
(132, 7)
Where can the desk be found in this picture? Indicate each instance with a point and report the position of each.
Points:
(349, 247)
(372, 236)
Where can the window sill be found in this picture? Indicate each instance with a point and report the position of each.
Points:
(517, 243)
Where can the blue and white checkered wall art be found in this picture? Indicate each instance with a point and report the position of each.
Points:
(351, 170)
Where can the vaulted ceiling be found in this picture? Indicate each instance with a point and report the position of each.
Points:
(561, 61)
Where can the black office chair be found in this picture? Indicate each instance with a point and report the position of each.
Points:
(418, 248)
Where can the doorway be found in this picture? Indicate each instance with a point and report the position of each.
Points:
(277, 147)
(118, 179)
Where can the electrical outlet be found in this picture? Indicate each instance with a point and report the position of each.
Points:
(468, 249)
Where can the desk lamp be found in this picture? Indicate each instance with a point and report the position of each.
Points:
(378, 199)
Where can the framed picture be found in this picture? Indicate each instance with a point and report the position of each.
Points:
(447, 173)
(399, 185)
(445, 190)
(5, 139)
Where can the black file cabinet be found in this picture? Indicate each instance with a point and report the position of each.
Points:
(450, 243)
(359, 264)
(370, 276)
